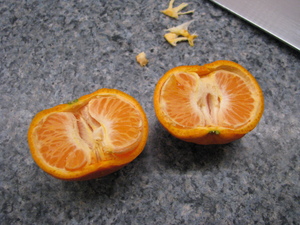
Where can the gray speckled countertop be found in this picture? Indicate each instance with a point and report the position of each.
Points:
(52, 52)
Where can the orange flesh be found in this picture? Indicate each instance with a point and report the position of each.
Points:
(102, 128)
(218, 99)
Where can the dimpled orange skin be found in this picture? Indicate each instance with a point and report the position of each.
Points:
(96, 170)
(207, 135)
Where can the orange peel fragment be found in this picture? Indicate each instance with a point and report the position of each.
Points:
(174, 12)
(180, 33)
(142, 59)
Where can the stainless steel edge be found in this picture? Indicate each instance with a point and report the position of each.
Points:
(279, 18)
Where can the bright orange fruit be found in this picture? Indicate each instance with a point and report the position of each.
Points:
(90, 137)
(211, 104)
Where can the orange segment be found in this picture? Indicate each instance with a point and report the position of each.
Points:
(91, 137)
(122, 123)
(177, 99)
(55, 135)
(238, 99)
(211, 104)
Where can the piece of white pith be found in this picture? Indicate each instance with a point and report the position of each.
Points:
(174, 12)
(180, 33)
(141, 58)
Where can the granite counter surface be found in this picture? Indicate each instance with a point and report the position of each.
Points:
(52, 52)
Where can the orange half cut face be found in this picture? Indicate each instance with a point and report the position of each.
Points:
(211, 104)
(99, 133)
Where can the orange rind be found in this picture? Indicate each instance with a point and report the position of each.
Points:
(180, 33)
(174, 12)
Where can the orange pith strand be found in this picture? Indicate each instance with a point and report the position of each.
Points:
(92, 137)
(211, 104)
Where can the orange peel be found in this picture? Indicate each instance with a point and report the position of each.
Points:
(174, 12)
(141, 58)
(180, 33)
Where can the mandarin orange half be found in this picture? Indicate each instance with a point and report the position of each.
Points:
(215, 103)
(90, 137)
